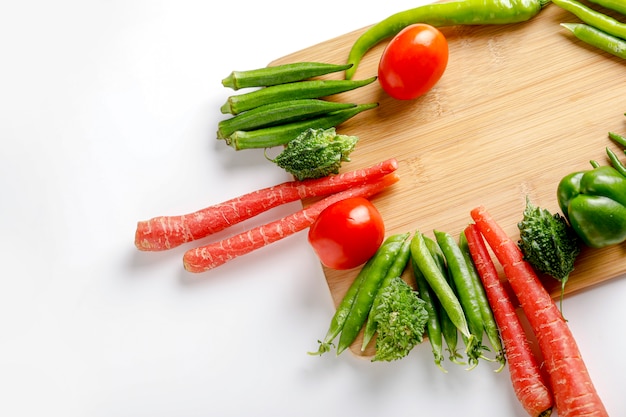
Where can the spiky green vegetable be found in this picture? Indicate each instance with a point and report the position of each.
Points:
(316, 153)
(548, 242)
(400, 319)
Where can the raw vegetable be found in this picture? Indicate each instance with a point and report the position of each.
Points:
(281, 112)
(593, 18)
(439, 284)
(215, 254)
(316, 153)
(466, 293)
(617, 5)
(347, 233)
(451, 13)
(167, 232)
(572, 387)
(413, 61)
(595, 37)
(279, 74)
(528, 383)
(400, 319)
(239, 103)
(548, 243)
(384, 259)
(268, 137)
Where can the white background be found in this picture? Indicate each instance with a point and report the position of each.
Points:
(108, 112)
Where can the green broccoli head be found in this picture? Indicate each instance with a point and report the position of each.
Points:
(400, 319)
(548, 242)
(316, 153)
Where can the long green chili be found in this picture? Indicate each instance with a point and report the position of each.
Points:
(593, 18)
(595, 37)
(456, 12)
(617, 5)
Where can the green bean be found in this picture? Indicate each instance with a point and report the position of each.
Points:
(489, 321)
(383, 259)
(396, 270)
(279, 113)
(593, 18)
(466, 293)
(343, 309)
(597, 38)
(280, 74)
(268, 137)
(448, 330)
(432, 306)
(437, 281)
(297, 90)
(617, 5)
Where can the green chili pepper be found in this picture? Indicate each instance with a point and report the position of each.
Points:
(383, 259)
(617, 5)
(594, 202)
(279, 74)
(593, 18)
(595, 37)
(459, 12)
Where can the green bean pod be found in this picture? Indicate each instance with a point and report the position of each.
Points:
(466, 293)
(449, 13)
(617, 5)
(382, 261)
(437, 281)
(593, 18)
(297, 90)
(448, 330)
(432, 306)
(597, 38)
(279, 113)
(396, 270)
(268, 137)
(489, 321)
(280, 74)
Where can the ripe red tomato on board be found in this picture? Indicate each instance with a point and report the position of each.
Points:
(347, 233)
(413, 61)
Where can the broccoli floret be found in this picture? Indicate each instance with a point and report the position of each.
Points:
(316, 153)
(548, 242)
(400, 319)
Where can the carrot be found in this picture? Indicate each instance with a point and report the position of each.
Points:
(167, 232)
(572, 387)
(217, 253)
(528, 382)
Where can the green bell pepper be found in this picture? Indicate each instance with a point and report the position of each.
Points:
(594, 202)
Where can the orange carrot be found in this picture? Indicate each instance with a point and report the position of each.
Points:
(572, 387)
(527, 380)
(217, 253)
(167, 232)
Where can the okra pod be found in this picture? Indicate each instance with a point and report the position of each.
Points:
(268, 137)
(280, 74)
(282, 112)
(297, 90)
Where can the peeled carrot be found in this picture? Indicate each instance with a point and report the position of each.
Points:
(167, 232)
(572, 387)
(215, 254)
(528, 382)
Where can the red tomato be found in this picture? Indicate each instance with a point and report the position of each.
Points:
(413, 61)
(347, 233)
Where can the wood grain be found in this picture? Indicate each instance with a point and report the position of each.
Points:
(519, 107)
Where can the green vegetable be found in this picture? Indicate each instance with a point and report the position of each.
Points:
(451, 13)
(617, 5)
(268, 137)
(282, 112)
(548, 242)
(593, 18)
(316, 153)
(297, 90)
(279, 74)
(400, 319)
(595, 37)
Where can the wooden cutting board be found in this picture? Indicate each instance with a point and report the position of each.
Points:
(518, 108)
